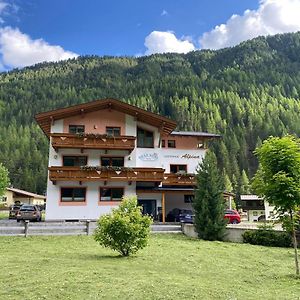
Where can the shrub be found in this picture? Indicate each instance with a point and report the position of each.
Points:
(125, 230)
(266, 236)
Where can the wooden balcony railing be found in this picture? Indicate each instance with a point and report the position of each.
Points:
(78, 174)
(179, 179)
(67, 140)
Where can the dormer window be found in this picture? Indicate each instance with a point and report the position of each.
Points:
(114, 131)
(76, 129)
(145, 138)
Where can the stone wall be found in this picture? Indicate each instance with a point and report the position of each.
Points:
(234, 233)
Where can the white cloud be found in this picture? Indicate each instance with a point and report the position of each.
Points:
(164, 13)
(19, 50)
(272, 16)
(165, 41)
(3, 6)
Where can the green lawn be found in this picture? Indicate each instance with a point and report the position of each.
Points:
(172, 267)
(4, 214)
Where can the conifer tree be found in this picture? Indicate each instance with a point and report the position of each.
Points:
(244, 183)
(209, 201)
(4, 179)
(227, 182)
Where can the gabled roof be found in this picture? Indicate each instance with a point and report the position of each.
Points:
(45, 119)
(25, 193)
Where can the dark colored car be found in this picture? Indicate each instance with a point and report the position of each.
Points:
(180, 215)
(232, 216)
(186, 216)
(13, 210)
(29, 212)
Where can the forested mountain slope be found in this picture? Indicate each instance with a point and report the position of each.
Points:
(246, 93)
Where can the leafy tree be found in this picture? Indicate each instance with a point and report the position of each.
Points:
(209, 201)
(125, 230)
(4, 179)
(278, 178)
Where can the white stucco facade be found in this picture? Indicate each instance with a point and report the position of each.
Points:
(92, 207)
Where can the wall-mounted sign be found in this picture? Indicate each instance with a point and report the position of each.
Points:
(148, 157)
(184, 156)
(189, 156)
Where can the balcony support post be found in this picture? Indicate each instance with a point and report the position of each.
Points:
(163, 207)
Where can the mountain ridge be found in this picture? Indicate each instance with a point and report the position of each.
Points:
(245, 93)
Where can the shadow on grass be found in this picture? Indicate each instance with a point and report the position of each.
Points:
(291, 276)
(87, 256)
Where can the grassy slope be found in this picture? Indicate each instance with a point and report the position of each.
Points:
(172, 267)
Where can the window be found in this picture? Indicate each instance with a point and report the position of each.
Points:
(163, 143)
(178, 168)
(171, 144)
(111, 194)
(76, 129)
(74, 161)
(73, 194)
(145, 138)
(255, 214)
(188, 198)
(3, 199)
(114, 131)
(112, 161)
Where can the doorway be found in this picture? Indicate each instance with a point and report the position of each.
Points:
(149, 207)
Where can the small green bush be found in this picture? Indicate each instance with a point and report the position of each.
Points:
(125, 230)
(266, 236)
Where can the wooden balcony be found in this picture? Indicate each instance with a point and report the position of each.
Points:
(67, 140)
(179, 179)
(78, 174)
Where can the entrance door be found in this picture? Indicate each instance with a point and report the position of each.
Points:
(149, 207)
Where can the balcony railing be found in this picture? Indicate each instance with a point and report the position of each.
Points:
(179, 179)
(127, 174)
(67, 140)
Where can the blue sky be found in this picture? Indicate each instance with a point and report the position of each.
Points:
(120, 27)
(32, 31)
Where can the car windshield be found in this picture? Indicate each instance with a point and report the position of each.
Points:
(27, 208)
(15, 207)
(230, 212)
(186, 212)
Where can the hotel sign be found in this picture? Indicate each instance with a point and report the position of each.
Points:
(148, 157)
(184, 156)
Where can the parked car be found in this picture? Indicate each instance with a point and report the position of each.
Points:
(186, 216)
(29, 212)
(232, 216)
(180, 215)
(13, 210)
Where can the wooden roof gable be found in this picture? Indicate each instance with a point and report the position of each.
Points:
(45, 119)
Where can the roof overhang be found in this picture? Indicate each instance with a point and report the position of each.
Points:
(196, 134)
(45, 119)
(22, 193)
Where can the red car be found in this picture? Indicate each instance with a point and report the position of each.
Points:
(232, 216)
